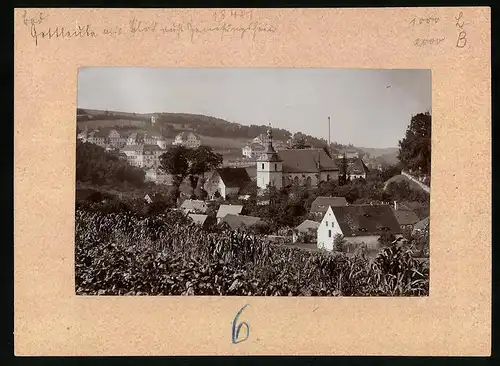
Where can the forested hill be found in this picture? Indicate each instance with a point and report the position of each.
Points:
(170, 123)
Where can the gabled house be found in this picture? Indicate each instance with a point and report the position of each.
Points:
(320, 205)
(194, 206)
(357, 224)
(406, 217)
(228, 210)
(115, 139)
(188, 139)
(240, 221)
(356, 168)
(98, 137)
(199, 219)
(420, 226)
(307, 227)
(227, 181)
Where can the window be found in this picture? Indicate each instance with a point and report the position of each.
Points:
(275, 166)
(329, 233)
(262, 165)
(326, 223)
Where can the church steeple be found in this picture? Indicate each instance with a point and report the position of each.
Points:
(270, 154)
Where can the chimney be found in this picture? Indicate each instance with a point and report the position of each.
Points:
(328, 132)
(395, 205)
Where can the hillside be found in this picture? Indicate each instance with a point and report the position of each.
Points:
(215, 132)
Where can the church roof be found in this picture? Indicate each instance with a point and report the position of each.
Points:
(234, 177)
(306, 161)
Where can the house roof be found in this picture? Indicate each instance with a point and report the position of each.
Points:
(229, 209)
(365, 220)
(320, 204)
(98, 133)
(405, 217)
(236, 221)
(306, 161)
(132, 148)
(357, 166)
(421, 224)
(185, 134)
(307, 225)
(198, 219)
(196, 205)
(234, 177)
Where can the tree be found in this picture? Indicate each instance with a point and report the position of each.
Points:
(338, 243)
(415, 147)
(202, 159)
(182, 162)
(343, 170)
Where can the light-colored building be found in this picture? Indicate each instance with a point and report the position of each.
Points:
(98, 137)
(157, 176)
(307, 167)
(253, 150)
(227, 181)
(115, 139)
(349, 154)
(357, 225)
(188, 139)
(194, 206)
(356, 168)
(228, 210)
(143, 156)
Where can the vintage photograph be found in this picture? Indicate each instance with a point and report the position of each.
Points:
(252, 182)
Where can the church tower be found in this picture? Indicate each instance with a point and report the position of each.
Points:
(269, 166)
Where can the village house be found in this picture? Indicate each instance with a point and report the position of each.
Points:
(98, 137)
(306, 228)
(349, 154)
(320, 205)
(307, 167)
(356, 168)
(115, 139)
(227, 181)
(253, 150)
(240, 221)
(420, 226)
(200, 219)
(156, 176)
(194, 206)
(357, 224)
(188, 139)
(143, 156)
(406, 217)
(226, 210)
(135, 138)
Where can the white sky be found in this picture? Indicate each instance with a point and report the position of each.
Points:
(363, 110)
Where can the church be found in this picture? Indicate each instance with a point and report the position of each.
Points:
(306, 167)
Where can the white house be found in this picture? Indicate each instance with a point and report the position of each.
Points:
(356, 168)
(157, 176)
(357, 224)
(143, 156)
(188, 139)
(227, 181)
(253, 150)
(307, 167)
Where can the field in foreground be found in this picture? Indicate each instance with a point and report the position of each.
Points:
(121, 254)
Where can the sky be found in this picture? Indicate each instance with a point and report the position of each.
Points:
(368, 108)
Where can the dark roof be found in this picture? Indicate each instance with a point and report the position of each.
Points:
(405, 217)
(305, 161)
(234, 177)
(366, 220)
(421, 224)
(357, 166)
(320, 204)
(307, 225)
(236, 221)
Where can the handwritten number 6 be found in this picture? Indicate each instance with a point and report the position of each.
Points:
(236, 330)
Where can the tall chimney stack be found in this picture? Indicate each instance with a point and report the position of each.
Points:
(328, 132)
